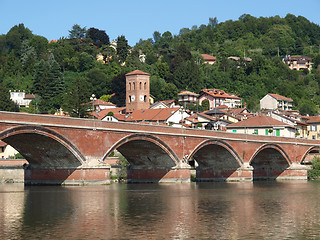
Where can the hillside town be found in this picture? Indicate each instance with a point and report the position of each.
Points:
(220, 111)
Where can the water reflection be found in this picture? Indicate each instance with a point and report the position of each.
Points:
(259, 210)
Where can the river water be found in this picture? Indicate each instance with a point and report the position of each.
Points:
(259, 210)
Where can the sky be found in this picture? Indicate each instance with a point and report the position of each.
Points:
(138, 19)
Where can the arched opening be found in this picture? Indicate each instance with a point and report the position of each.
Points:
(149, 158)
(42, 151)
(140, 85)
(129, 86)
(51, 157)
(269, 163)
(310, 155)
(143, 153)
(145, 98)
(216, 161)
(42, 147)
(133, 86)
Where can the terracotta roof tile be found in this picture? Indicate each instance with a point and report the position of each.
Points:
(208, 57)
(313, 119)
(161, 114)
(101, 114)
(259, 121)
(137, 72)
(218, 93)
(187, 93)
(29, 96)
(279, 97)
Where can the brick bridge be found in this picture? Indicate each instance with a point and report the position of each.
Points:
(71, 150)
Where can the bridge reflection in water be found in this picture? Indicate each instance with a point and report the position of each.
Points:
(71, 151)
(262, 210)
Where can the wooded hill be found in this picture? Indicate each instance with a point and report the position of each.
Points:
(64, 73)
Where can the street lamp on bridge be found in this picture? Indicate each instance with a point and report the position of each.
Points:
(93, 99)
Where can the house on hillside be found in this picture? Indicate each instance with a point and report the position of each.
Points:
(275, 101)
(301, 127)
(298, 62)
(21, 98)
(208, 59)
(198, 120)
(186, 97)
(218, 97)
(101, 105)
(314, 127)
(111, 114)
(262, 125)
(221, 115)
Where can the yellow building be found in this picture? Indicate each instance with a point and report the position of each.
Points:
(314, 127)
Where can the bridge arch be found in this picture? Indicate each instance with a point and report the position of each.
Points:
(43, 147)
(144, 150)
(217, 161)
(309, 154)
(223, 154)
(269, 162)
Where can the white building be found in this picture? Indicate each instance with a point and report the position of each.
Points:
(263, 125)
(275, 101)
(21, 98)
(218, 97)
(6, 150)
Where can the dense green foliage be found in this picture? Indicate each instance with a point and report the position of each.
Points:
(64, 73)
(314, 172)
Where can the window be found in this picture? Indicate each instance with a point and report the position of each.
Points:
(129, 86)
(140, 85)
(145, 98)
(255, 131)
(313, 127)
(278, 132)
(314, 137)
(133, 86)
(234, 131)
(266, 132)
(145, 86)
(129, 99)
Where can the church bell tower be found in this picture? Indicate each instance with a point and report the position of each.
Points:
(137, 90)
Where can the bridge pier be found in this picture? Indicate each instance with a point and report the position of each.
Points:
(67, 176)
(137, 174)
(295, 171)
(243, 173)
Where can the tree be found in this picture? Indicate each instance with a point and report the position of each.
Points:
(308, 107)
(6, 104)
(77, 32)
(122, 48)
(118, 86)
(205, 105)
(48, 84)
(105, 98)
(16, 36)
(213, 22)
(98, 82)
(98, 37)
(76, 99)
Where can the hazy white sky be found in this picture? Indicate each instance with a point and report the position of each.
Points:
(140, 18)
